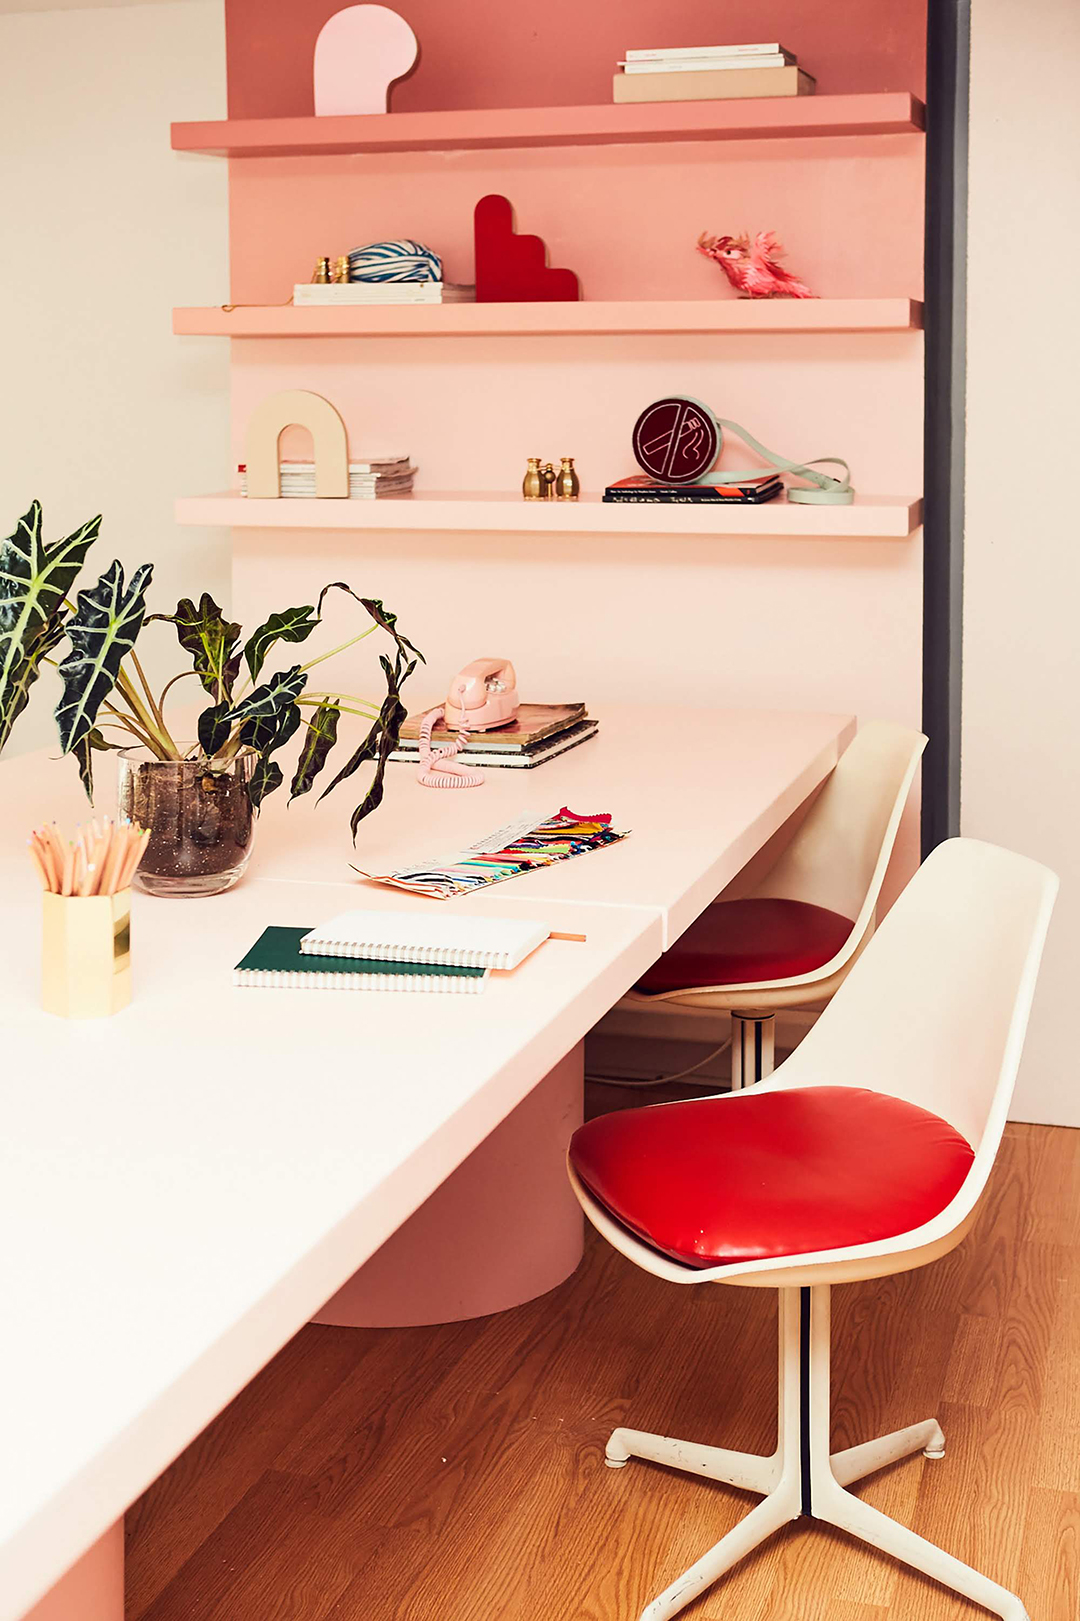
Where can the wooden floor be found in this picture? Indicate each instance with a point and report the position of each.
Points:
(456, 1473)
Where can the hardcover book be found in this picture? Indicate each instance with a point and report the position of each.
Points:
(713, 85)
(641, 488)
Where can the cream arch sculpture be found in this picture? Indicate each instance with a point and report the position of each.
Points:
(296, 407)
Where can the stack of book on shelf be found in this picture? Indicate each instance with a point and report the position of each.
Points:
(371, 480)
(540, 732)
(347, 293)
(710, 73)
(748, 492)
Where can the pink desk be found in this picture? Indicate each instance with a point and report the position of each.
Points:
(187, 1190)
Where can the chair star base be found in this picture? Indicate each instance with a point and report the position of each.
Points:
(802, 1478)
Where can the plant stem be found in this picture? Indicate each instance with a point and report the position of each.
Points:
(161, 701)
(350, 643)
(133, 727)
(141, 673)
(168, 748)
(365, 714)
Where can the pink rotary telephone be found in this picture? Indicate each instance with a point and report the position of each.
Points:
(482, 695)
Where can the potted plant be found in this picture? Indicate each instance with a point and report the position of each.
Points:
(199, 798)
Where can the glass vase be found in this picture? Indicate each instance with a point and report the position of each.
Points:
(201, 821)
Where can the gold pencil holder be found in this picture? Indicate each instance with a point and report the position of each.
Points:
(86, 954)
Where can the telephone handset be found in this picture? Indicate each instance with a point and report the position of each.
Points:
(482, 696)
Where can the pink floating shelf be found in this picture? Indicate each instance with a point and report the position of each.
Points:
(485, 129)
(871, 516)
(727, 315)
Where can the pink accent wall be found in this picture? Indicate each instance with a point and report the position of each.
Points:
(823, 624)
(487, 53)
(626, 219)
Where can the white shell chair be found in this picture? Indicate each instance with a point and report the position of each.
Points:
(933, 1015)
(832, 870)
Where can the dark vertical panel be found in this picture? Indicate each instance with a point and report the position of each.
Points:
(948, 50)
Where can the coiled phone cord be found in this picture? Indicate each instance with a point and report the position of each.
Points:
(437, 769)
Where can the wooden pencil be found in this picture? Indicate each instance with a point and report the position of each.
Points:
(35, 856)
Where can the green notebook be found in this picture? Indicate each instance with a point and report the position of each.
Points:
(276, 960)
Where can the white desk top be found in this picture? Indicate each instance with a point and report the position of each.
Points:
(184, 1185)
(181, 1187)
(702, 791)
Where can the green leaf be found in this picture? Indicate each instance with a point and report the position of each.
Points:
(103, 630)
(210, 639)
(380, 741)
(382, 616)
(214, 728)
(294, 625)
(34, 581)
(273, 695)
(267, 776)
(272, 735)
(83, 753)
(322, 730)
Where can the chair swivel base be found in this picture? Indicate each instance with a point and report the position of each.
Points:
(802, 1478)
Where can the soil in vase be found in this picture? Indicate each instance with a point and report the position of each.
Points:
(201, 822)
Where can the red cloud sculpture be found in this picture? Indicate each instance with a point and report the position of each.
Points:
(513, 269)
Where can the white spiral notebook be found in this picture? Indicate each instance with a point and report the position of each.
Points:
(459, 942)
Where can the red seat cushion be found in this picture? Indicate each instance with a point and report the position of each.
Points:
(742, 942)
(721, 1180)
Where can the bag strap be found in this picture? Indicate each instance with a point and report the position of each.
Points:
(825, 489)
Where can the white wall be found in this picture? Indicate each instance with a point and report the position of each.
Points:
(1021, 738)
(105, 229)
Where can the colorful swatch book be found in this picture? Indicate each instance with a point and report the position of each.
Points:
(276, 960)
(523, 846)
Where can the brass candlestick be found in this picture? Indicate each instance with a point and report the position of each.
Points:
(567, 483)
(341, 268)
(321, 274)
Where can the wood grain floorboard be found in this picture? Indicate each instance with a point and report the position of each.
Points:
(456, 1473)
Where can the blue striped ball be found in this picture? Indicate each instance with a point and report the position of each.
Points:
(394, 261)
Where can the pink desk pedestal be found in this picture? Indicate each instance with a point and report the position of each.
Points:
(93, 1588)
(502, 1229)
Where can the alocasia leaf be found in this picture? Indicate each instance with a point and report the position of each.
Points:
(382, 616)
(210, 638)
(319, 740)
(268, 736)
(266, 776)
(102, 631)
(380, 741)
(83, 753)
(214, 728)
(294, 625)
(271, 697)
(260, 714)
(34, 581)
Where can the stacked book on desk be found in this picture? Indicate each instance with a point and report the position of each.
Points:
(710, 73)
(343, 294)
(748, 492)
(540, 732)
(370, 480)
(380, 951)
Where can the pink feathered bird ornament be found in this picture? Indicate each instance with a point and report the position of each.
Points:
(754, 268)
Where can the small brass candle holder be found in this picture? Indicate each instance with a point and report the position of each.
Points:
(86, 954)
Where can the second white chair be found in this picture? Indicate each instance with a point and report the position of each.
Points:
(792, 939)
